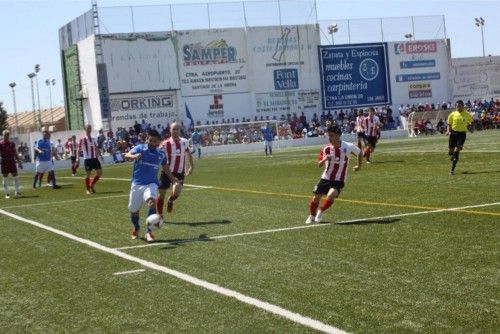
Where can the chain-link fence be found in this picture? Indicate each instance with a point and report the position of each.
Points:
(133, 19)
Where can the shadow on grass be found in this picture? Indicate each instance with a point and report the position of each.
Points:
(386, 162)
(194, 224)
(108, 192)
(481, 172)
(173, 243)
(370, 221)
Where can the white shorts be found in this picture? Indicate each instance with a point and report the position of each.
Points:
(196, 147)
(268, 143)
(44, 166)
(139, 194)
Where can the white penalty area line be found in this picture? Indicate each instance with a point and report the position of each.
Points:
(129, 272)
(350, 221)
(271, 308)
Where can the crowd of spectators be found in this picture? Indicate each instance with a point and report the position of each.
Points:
(485, 114)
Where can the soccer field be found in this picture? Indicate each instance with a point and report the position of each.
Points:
(407, 248)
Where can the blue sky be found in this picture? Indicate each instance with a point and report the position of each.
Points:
(30, 31)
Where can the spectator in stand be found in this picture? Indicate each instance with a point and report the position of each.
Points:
(137, 127)
(429, 128)
(441, 126)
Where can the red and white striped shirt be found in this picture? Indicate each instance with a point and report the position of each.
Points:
(360, 127)
(71, 147)
(371, 124)
(176, 153)
(88, 145)
(336, 166)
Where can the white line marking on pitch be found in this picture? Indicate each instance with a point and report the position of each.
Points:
(128, 180)
(63, 202)
(129, 272)
(319, 225)
(295, 317)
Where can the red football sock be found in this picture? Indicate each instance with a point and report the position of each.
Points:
(159, 205)
(367, 153)
(94, 181)
(313, 207)
(87, 182)
(326, 204)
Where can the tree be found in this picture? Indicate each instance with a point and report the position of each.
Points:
(3, 118)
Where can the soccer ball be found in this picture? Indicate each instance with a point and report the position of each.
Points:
(154, 220)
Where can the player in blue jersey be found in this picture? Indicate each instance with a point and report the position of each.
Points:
(148, 160)
(196, 142)
(44, 163)
(268, 135)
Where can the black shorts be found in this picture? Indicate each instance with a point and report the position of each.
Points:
(73, 159)
(372, 141)
(165, 181)
(457, 139)
(324, 186)
(361, 135)
(91, 164)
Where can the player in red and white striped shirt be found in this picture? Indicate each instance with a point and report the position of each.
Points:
(372, 128)
(177, 151)
(360, 129)
(71, 148)
(88, 146)
(335, 158)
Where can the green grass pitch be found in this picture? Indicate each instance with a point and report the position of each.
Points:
(410, 270)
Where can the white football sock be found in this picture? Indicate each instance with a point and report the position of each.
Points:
(5, 186)
(16, 183)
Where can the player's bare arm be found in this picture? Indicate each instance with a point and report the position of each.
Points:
(321, 163)
(169, 174)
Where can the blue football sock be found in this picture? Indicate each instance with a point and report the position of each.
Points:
(151, 211)
(52, 176)
(135, 221)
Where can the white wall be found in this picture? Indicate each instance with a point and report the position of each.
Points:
(140, 62)
(88, 78)
(152, 107)
(284, 74)
(475, 78)
(212, 61)
(419, 71)
(215, 107)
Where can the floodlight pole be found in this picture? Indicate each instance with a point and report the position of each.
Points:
(37, 69)
(12, 85)
(31, 76)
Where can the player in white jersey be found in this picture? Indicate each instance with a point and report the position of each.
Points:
(88, 146)
(372, 127)
(177, 150)
(335, 158)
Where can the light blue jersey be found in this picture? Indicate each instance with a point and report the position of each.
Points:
(46, 147)
(268, 134)
(146, 168)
